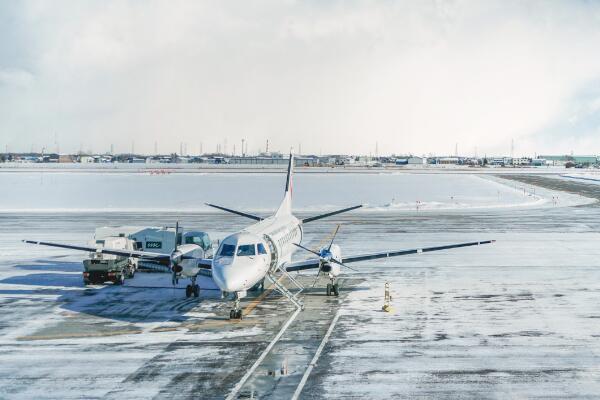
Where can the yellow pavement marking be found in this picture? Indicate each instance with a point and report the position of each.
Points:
(79, 335)
(205, 323)
(252, 305)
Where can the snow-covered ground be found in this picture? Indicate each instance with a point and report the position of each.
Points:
(64, 192)
(517, 319)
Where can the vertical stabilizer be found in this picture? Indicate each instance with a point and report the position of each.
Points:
(286, 204)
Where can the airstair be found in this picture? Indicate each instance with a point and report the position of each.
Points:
(293, 297)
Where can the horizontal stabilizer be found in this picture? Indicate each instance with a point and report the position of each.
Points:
(329, 214)
(229, 210)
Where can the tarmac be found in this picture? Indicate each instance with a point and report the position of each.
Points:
(517, 319)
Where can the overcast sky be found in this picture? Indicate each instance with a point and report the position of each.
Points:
(336, 77)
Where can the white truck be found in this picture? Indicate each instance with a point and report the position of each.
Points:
(155, 240)
(100, 267)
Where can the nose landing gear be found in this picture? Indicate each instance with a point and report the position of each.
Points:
(333, 289)
(192, 289)
(236, 312)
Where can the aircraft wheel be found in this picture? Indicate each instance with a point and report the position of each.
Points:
(336, 290)
(188, 290)
(196, 290)
(239, 314)
(86, 282)
(329, 287)
(232, 314)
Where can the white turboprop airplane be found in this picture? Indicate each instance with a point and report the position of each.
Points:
(245, 258)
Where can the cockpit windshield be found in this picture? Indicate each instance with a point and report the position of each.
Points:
(246, 250)
(227, 250)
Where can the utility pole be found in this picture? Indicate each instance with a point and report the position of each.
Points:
(267, 148)
(512, 148)
(243, 154)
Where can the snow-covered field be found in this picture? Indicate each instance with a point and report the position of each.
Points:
(68, 192)
(517, 319)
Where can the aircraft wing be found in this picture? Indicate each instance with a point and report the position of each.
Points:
(315, 262)
(147, 255)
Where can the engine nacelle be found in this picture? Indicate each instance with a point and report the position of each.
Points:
(335, 252)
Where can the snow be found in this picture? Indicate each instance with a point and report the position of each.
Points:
(65, 192)
(516, 319)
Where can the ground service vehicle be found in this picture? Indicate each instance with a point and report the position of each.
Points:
(102, 267)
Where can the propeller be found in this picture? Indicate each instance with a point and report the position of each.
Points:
(325, 255)
(175, 258)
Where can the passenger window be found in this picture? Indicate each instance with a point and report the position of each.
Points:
(261, 249)
(227, 250)
(246, 250)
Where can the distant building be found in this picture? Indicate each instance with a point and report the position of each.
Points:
(416, 160)
(563, 160)
(448, 160)
(258, 160)
(66, 158)
(521, 161)
(86, 159)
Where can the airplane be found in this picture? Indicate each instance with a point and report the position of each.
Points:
(183, 260)
(245, 258)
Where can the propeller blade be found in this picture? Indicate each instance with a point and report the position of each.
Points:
(176, 235)
(332, 259)
(343, 265)
(309, 250)
(316, 277)
(333, 238)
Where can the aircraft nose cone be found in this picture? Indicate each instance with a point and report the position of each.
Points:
(238, 276)
(228, 280)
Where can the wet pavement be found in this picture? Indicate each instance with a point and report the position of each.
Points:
(517, 319)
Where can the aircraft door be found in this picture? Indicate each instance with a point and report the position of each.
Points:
(273, 251)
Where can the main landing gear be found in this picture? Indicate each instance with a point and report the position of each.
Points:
(333, 289)
(192, 289)
(236, 313)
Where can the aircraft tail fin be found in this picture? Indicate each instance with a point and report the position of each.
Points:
(286, 204)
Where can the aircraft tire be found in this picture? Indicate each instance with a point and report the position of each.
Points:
(329, 289)
(336, 290)
(188, 291)
(196, 290)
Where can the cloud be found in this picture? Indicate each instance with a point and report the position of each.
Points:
(336, 76)
(15, 78)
